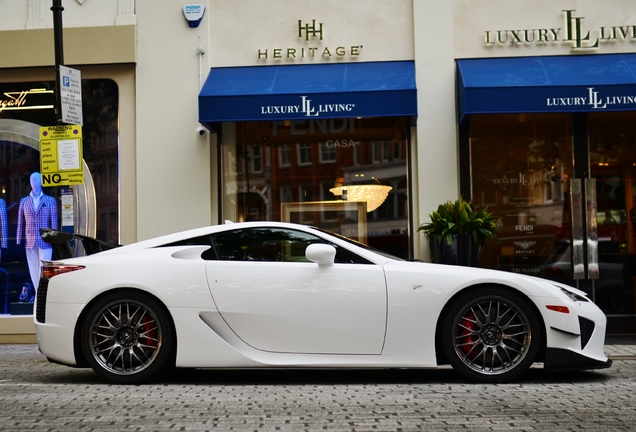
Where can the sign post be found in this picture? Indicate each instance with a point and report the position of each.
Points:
(61, 146)
(71, 95)
(58, 41)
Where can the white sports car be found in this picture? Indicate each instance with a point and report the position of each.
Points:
(277, 295)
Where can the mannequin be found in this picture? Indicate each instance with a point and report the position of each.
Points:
(36, 210)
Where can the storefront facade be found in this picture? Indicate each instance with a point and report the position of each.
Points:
(276, 110)
(547, 115)
(27, 86)
(314, 111)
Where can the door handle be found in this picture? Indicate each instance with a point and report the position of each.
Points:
(592, 229)
(576, 211)
(584, 229)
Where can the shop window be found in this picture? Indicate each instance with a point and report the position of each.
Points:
(315, 158)
(18, 160)
(520, 165)
(522, 168)
(612, 161)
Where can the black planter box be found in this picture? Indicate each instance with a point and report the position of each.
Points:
(464, 251)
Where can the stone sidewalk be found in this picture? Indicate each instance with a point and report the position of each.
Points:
(39, 396)
(620, 351)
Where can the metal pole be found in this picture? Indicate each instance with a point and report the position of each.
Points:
(59, 55)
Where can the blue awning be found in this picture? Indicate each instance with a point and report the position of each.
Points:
(318, 91)
(547, 84)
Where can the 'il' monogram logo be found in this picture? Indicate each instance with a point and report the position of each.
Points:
(310, 30)
(575, 33)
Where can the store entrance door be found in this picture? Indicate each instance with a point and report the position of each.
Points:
(608, 270)
(563, 186)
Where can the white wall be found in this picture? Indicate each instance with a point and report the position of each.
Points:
(22, 14)
(473, 18)
(383, 29)
(173, 163)
(435, 156)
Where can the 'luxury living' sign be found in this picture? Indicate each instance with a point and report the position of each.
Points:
(574, 34)
(309, 46)
(307, 108)
(594, 100)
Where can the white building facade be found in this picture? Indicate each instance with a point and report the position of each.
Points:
(303, 102)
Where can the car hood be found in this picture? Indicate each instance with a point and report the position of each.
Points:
(456, 278)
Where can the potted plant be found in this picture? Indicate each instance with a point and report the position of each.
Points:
(457, 231)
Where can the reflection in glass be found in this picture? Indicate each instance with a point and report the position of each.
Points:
(521, 165)
(302, 160)
(612, 141)
(100, 98)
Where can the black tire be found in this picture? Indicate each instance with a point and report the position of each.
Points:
(128, 338)
(491, 335)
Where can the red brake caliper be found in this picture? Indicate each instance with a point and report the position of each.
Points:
(150, 332)
(467, 326)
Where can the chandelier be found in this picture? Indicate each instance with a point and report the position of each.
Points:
(373, 194)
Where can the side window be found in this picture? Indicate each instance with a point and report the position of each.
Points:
(272, 244)
(263, 244)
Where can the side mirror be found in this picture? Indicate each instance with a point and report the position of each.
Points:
(322, 254)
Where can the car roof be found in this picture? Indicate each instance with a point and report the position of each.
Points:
(198, 232)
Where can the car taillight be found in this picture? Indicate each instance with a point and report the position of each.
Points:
(50, 270)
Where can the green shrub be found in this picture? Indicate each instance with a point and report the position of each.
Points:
(459, 217)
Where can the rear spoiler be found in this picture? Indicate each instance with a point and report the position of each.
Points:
(60, 240)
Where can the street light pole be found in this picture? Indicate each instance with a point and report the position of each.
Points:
(59, 55)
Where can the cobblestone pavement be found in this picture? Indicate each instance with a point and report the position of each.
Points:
(37, 395)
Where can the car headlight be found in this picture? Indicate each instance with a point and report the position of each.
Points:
(574, 296)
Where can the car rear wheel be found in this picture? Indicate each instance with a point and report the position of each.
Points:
(491, 335)
(128, 338)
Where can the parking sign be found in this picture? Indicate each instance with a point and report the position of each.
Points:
(71, 95)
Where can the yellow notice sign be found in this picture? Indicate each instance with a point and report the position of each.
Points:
(61, 155)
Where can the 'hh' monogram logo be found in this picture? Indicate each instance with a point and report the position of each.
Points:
(310, 30)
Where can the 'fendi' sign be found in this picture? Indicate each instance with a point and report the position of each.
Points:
(574, 33)
(310, 36)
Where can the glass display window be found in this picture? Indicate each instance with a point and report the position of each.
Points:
(564, 188)
(32, 103)
(319, 167)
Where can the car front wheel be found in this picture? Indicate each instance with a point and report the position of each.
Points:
(128, 338)
(491, 335)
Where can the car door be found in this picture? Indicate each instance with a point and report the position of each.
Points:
(275, 300)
